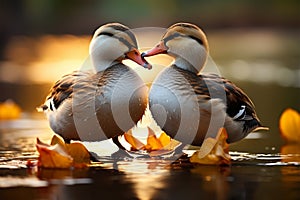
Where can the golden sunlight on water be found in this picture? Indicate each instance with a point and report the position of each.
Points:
(147, 177)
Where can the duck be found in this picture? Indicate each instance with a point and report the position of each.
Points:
(103, 103)
(191, 106)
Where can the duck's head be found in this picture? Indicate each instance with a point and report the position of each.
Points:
(113, 43)
(186, 43)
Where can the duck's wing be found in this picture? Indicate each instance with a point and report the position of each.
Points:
(62, 90)
(211, 86)
(239, 105)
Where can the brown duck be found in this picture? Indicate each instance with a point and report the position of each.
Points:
(190, 106)
(104, 103)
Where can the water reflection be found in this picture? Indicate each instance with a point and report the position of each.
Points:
(147, 176)
(250, 176)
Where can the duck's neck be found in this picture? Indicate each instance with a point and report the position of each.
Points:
(193, 65)
(105, 52)
(192, 59)
(102, 65)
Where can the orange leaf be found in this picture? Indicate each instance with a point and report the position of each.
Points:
(53, 156)
(79, 153)
(57, 140)
(214, 151)
(289, 124)
(135, 143)
(61, 155)
(152, 142)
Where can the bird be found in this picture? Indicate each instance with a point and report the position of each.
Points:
(189, 105)
(94, 105)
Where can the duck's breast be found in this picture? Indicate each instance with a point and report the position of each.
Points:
(174, 105)
(120, 99)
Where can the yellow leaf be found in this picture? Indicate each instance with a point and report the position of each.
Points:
(152, 142)
(172, 145)
(289, 125)
(164, 139)
(214, 151)
(135, 143)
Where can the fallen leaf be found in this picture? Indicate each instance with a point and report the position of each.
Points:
(135, 143)
(79, 153)
(152, 142)
(61, 155)
(53, 157)
(164, 144)
(289, 125)
(57, 140)
(214, 151)
(164, 139)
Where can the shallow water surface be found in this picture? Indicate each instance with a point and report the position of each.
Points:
(251, 175)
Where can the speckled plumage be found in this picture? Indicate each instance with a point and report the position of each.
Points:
(93, 106)
(191, 106)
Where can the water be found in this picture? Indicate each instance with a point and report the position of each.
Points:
(251, 175)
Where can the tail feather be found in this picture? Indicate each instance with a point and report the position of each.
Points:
(253, 125)
(42, 108)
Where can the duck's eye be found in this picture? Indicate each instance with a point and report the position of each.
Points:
(171, 37)
(197, 39)
(105, 33)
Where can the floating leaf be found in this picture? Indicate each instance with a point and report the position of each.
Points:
(164, 139)
(155, 146)
(152, 142)
(289, 124)
(53, 157)
(57, 140)
(135, 143)
(79, 153)
(214, 151)
(61, 155)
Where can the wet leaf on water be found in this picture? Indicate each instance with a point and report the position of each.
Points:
(79, 153)
(53, 157)
(289, 125)
(135, 143)
(155, 146)
(164, 139)
(214, 151)
(61, 155)
(153, 143)
(57, 140)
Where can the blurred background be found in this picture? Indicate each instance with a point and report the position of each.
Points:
(254, 43)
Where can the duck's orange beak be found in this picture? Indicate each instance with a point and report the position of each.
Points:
(135, 56)
(160, 48)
